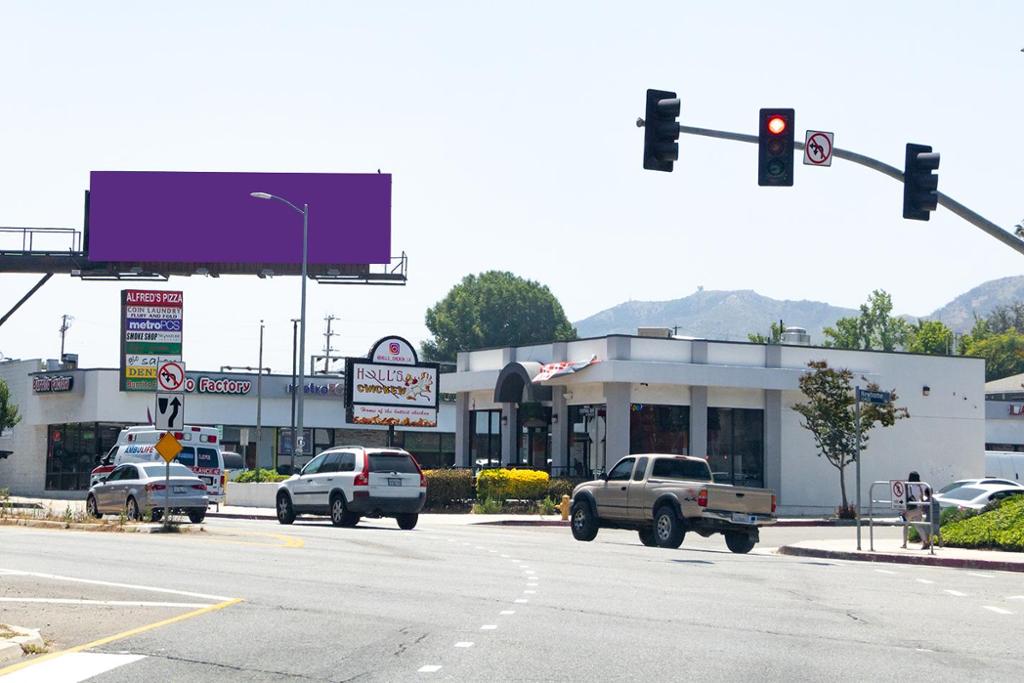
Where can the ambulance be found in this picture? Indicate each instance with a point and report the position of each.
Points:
(200, 452)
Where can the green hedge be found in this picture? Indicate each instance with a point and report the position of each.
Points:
(1001, 528)
(561, 487)
(449, 489)
(502, 484)
(948, 516)
(260, 475)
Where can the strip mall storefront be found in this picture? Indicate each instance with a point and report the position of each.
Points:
(577, 407)
(70, 418)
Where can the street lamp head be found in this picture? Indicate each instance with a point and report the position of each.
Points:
(261, 195)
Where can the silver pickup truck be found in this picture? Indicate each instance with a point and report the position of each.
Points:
(664, 496)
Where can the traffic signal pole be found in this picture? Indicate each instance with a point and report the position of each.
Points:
(956, 207)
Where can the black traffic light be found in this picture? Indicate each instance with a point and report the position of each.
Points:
(920, 184)
(661, 130)
(775, 147)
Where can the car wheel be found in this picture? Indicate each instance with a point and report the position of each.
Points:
(647, 537)
(340, 516)
(739, 542)
(408, 520)
(91, 507)
(196, 516)
(131, 509)
(285, 511)
(584, 522)
(668, 528)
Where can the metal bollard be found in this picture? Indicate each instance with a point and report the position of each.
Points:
(564, 507)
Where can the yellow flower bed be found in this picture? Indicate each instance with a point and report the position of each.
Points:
(503, 484)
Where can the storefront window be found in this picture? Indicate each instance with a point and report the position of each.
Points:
(485, 446)
(659, 429)
(73, 450)
(736, 446)
(586, 435)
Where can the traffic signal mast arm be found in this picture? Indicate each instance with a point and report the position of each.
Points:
(956, 207)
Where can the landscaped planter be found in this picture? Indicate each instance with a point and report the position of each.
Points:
(262, 495)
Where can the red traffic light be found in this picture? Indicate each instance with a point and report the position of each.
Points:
(776, 125)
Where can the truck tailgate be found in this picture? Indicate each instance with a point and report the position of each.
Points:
(742, 499)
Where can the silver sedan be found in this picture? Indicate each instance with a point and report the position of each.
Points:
(135, 488)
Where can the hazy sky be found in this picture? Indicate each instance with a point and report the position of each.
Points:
(509, 128)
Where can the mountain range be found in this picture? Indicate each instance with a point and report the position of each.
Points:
(731, 315)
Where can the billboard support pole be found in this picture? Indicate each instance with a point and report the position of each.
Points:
(26, 297)
(302, 335)
(295, 339)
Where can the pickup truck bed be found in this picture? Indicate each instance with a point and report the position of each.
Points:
(664, 496)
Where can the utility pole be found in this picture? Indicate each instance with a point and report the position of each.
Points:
(327, 343)
(65, 324)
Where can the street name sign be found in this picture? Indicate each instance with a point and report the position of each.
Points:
(876, 397)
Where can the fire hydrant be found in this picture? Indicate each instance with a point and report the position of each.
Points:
(564, 507)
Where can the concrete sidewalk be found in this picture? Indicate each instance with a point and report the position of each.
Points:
(889, 551)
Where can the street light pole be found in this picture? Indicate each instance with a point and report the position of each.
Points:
(295, 341)
(298, 439)
(259, 405)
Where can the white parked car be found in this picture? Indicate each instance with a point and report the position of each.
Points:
(351, 482)
(974, 482)
(977, 496)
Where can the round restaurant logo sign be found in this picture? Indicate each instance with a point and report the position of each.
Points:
(393, 350)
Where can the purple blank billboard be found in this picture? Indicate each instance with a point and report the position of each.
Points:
(211, 218)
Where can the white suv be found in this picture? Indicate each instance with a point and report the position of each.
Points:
(350, 482)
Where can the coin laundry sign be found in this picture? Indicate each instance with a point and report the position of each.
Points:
(391, 387)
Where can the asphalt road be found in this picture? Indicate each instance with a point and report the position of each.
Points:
(455, 602)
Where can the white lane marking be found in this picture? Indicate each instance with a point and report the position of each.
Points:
(113, 603)
(489, 627)
(923, 649)
(428, 669)
(71, 668)
(530, 592)
(924, 581)
(505, 556)
(480, 547)
(956, 593)
(521, 601)
(981, 576)
(492, 551)
(507, 612)
(56, 577)
(997, 610)
(463, 643)
(531, 585)
(884, 571)
(1016, 597)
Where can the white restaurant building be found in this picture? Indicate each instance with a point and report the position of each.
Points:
(730, 402)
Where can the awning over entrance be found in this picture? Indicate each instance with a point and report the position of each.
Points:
(514, 378)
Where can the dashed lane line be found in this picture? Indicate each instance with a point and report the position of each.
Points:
(981, 576)
(429, 669)
(507, 612)
(926, 581)
(489, 627)
(997, 610)
(464, 643)
(955, 593)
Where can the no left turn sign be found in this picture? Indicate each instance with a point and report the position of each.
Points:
(818, 148)
(170, 376)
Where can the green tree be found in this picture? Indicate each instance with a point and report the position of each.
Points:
(874, 329)
(829, 414)
(8, 412)
(930, 336)
(494, 309)
(1006, 317)
(774, 334)
(1003, 352)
